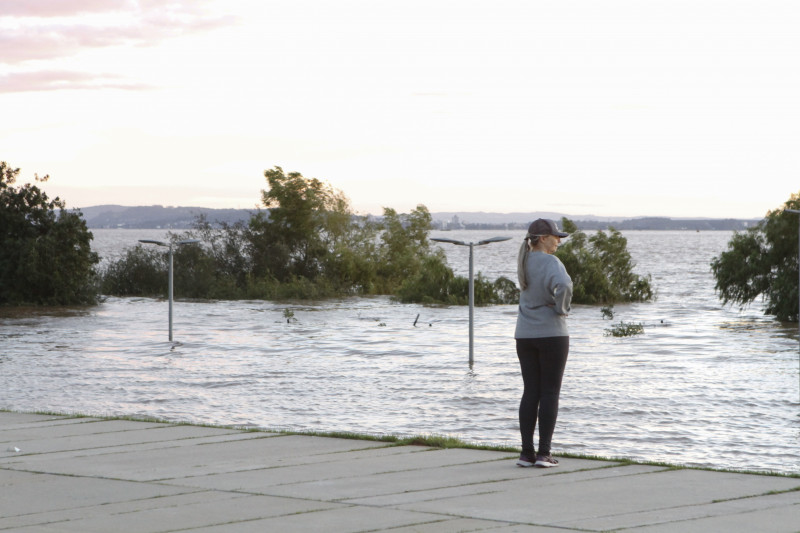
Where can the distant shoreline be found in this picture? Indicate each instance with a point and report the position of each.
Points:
(182, 218)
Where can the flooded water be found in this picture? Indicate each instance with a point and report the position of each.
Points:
(705, 385)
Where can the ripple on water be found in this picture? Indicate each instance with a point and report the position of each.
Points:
(705, 383)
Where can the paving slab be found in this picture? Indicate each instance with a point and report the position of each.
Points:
(675, 517)
(11, 420)
(460, 525)
(29, 456)
(41, 443)
(93, 475)
(117, 508)
(302, 469)
(340, 466)
(763, 521)
(217, 509)
(202, 459)
(346, 519)
(83, 428)
(596, 504)
(501, 468)
(581, 473)
(47, 492)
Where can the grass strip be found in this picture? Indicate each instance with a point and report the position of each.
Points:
(430, 440)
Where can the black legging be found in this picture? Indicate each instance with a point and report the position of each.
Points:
(542, 361)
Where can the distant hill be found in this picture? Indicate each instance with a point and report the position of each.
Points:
(158, 217)
(479, 220)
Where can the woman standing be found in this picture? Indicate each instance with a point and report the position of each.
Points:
(541, 336)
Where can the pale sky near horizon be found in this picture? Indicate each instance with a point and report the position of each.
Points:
(584, 107)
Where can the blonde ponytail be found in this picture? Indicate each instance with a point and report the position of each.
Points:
(522, 259)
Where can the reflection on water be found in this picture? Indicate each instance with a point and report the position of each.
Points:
(704, 385)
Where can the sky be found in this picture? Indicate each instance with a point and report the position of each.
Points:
(680, 108)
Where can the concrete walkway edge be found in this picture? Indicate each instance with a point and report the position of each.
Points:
(83, 474)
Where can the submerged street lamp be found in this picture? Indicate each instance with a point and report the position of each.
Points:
(169, 244)
(797, 212)
(471, 282)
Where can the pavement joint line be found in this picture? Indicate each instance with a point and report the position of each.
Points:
(235, 495)
(111, 447)
(467, 517)
(234, 433)
(176, 480)
(389, 530)
(408, 525)
(443, 487)
(148, 498)
(609, 467)
(768, 493)
(700, 504)
(679, 520)
(483, 483)
(86, 421)
(438, 498)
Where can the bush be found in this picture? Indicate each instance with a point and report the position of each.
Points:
(308, 245)
(624, 329)
(434, 282)
(45, 252)
(140, 272)
(762, 261)
(601, 268)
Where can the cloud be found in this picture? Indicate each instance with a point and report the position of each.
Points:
(39, 34)
(52, 80)
(44, 29)
(57, 8)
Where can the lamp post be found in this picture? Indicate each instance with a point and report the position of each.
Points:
(471, 283)
(797, 212)
(169, 291)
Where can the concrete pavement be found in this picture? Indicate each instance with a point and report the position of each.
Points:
(76, 474)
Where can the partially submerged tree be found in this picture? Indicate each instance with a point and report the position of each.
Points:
(308, 244)
(45, 253)
(305, 220)
(601, 268)
(762, 261)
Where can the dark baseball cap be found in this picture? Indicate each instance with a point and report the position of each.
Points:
(545, 226)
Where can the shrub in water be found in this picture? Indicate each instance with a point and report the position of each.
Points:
(601, 268)
(624, 329)
(308, 245)
(140, 272)
(762, 261)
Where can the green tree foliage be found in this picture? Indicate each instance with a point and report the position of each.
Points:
(307, 221)
(140, 272)
(307, 244)
(45, 253)
(762, 261)
(405, 249)
(219, 268)
(601, 268)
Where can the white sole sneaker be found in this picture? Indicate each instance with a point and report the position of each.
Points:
(545, 462)
(524, 463)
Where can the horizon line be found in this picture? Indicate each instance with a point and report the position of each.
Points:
(464, 212)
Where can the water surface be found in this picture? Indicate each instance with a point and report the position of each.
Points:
(705, 385)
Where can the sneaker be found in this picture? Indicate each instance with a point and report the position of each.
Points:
(525, 460)
(545, 461)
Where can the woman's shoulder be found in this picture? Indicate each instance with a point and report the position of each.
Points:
(546, 258)
(553, 262)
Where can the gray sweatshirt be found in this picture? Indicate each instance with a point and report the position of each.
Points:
(544, 305)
